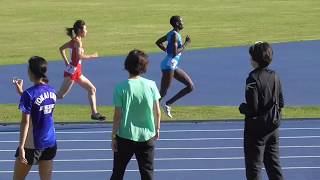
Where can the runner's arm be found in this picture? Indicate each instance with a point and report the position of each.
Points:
(62, 50)
(81, 53)
(177, 50)
(160, 42)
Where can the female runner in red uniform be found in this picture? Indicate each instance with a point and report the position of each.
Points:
(73, 72)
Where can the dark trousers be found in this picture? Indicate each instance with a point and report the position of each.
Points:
(144, 152)
(260, 149)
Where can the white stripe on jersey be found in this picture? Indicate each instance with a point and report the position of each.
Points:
(251, 85)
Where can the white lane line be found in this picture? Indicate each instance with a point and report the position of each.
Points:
(69, 140)
(228, 130)
(171, 159)
(165, 131)
(172, 139)
(232, 138)
(177, 148)
(166, 170)
(234, 147)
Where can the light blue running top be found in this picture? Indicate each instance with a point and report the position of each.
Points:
(170, 45)
(170, 62)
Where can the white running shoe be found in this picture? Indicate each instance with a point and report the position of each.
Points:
(167, 110)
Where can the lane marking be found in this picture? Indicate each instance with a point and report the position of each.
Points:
(177, 148)
(173, 139)
(167, 170)
(164, 131)
(171, 159)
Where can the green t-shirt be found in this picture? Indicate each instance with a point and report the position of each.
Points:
(136, 98)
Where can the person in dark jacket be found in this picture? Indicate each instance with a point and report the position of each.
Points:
(264, 101)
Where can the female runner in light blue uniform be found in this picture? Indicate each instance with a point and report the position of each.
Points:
(169, 66)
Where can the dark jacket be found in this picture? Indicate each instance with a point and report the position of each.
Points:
(259, 98)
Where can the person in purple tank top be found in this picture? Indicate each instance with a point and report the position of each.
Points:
(37, 144)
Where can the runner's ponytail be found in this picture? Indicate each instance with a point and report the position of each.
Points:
(76, 29)
(70, 32)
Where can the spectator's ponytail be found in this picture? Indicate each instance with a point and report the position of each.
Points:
(38, 67)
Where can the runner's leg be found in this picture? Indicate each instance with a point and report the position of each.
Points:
(167, 76)
(65, 87)
(184, 78)
(87, 85)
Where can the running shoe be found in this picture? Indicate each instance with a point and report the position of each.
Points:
(98, 116)
(167, 110)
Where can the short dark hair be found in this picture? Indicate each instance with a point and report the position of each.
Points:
(136, 62)
(261, 52)
(173, 20)
(38, 67)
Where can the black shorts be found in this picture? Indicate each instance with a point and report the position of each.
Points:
(33, 156)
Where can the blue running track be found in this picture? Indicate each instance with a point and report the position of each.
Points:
(186, 151)
(219, 75)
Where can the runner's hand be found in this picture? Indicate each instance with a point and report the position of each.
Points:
(95, 55)
(188, 40)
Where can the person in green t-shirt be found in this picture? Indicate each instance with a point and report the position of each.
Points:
(136, 121)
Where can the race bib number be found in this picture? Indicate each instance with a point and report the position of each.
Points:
(47, 109)
(71, 69)
(173, 63)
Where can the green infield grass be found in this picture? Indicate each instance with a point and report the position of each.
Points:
(81, 113)
(37, 27)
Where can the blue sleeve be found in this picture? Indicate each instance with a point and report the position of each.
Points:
(25, 104)
(117, 98)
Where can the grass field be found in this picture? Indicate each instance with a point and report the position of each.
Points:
(37, 27)
(10, 113)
